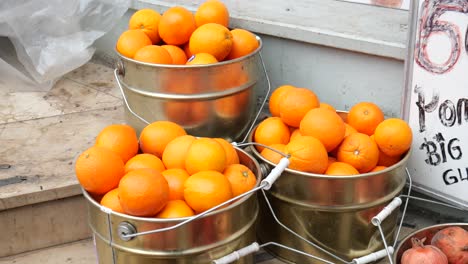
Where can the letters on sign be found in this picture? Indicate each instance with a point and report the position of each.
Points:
(439, 97)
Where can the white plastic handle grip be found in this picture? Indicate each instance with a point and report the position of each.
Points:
(373, 256)
(395, 203)
(236, 255)
(275, 173)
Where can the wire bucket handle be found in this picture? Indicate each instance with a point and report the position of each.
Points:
(127, 231)
(254, 247)
(377, 220)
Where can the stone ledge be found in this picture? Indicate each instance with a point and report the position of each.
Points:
(43, 132)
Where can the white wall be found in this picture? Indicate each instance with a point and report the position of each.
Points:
(339, 77)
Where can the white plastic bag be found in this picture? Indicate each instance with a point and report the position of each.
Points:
(52, 37)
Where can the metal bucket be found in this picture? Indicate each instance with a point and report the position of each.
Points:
(213, 100)
(332, 212)
(209, 237)
(427, 233)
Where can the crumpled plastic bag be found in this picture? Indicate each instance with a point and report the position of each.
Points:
(51, 37)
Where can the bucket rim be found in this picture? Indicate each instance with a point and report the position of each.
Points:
(179, 66)
(337, 177)
(153, 219)
(416, 232)
(401, 162)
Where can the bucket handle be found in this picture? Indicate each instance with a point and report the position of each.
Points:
(128, 233)
(388, 250)
(372, 257)
(120, 70)
(117, 78)
(264, 99)
(236, 255)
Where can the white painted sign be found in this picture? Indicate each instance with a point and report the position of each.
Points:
(436, 103)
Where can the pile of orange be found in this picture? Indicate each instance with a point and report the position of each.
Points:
(318, 139)
(178, 36)
(164, 173)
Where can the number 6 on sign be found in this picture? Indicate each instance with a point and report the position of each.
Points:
(431, 22)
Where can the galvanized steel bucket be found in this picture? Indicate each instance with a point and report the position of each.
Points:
(427, 232)
(332, 212)
(209, 237)
(213, 100)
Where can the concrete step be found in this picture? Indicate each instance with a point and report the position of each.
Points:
(46, 224)
(83, 252)
(79, 252)
(42, 132)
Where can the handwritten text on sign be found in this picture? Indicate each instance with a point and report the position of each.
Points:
(439, 103)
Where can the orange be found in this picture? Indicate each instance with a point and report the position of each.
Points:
(176, 25)
(387, 161)
(176, 150)
(276, 97)
(119, 138)
(212, 11)
(111, 200)
(148, 21)
(177, 54)
(307, 154)
(99, 170)
(324, 125)
(270, 131)
(155, 136)
(360, 151)
(175, 209)
(231, 153)
(206, 189)
(295, 133)
(274, 156)
(201, 58)
(365, 117)
(153, 54)
(295, 104)
(211, 38)
(205, 154)
(244, 42)
(130, 41)
(96, 197)
(242, 179)
(384, 159)
(349, 129)
(176, 179)
(393, 136)
(331, 160)
(378, 168)
(144, 160)
(143, 192)
(341, 169)
(186, 48)
(327, 106)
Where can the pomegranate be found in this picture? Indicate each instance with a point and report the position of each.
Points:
(423, 254)
(453, 241)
